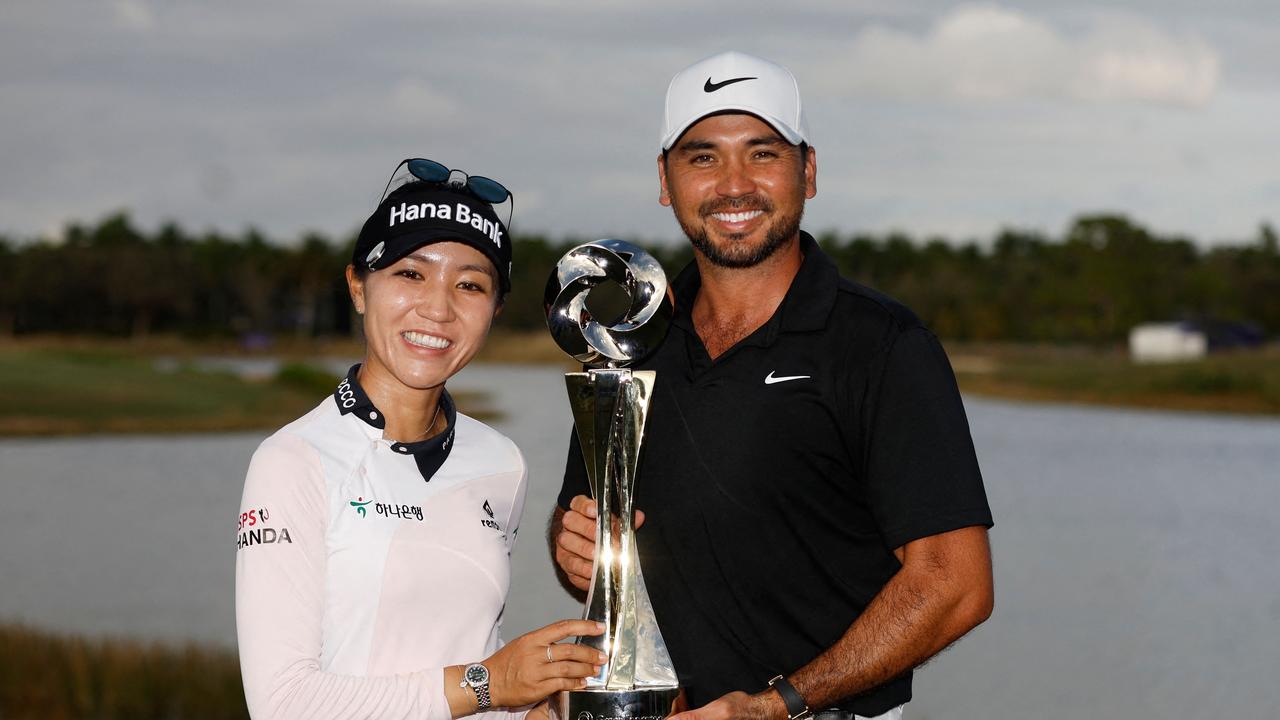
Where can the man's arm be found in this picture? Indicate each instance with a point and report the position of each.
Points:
(943, 590)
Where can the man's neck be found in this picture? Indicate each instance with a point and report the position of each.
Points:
(732, 303)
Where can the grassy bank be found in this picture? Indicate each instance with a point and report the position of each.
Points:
(1240, 382)
(71, 386)
(1235, 382)
(58, 677)
(62, 387)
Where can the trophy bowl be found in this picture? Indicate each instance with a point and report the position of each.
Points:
(641, 328)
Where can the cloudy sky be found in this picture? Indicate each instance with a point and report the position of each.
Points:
(929, 117)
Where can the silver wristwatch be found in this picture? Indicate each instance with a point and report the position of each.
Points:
(476, 677)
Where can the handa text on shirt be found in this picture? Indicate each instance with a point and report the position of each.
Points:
(263, 536)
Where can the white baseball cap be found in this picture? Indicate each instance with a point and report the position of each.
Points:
(734, 81)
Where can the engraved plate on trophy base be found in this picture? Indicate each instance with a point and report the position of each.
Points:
(638, 704)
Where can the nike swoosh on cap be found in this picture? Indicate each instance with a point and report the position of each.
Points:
(712, 87)
(770, 379)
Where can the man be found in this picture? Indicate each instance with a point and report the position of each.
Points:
(815, 508)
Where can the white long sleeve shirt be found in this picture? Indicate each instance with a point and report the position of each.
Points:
(364, 567)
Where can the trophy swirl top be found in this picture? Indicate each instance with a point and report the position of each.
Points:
(640, 329)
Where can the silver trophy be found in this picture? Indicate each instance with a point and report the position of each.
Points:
(610, 404)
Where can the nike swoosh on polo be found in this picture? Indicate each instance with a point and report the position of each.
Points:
(770, 379)
(712, 87)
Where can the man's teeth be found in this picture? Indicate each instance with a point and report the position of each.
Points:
(737, 217)
(424, 340)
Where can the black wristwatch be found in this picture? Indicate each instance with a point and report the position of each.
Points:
(476, 677)
(797, 709)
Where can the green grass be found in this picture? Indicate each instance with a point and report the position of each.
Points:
(86, 386)
(1242, 382)
(58, 389)
(305, 378)
(59, 677)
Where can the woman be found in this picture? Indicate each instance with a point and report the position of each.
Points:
(375, 531)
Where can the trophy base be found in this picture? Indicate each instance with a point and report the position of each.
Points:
(638, 704)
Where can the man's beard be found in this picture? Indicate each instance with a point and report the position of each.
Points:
(735, 253)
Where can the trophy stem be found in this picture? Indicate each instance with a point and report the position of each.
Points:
(610, 405)
(610, 408)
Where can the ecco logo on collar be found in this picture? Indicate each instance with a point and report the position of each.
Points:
(345, 395)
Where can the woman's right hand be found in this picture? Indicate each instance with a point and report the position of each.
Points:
(520, 673)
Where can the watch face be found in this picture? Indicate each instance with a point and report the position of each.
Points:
(476, 674)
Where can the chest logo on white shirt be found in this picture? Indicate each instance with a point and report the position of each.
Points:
(402, 511)
(770, 379)
(359, 506)
(489, 522)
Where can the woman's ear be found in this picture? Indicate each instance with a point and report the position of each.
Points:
(355, 287)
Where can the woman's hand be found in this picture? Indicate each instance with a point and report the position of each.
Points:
(521, 673)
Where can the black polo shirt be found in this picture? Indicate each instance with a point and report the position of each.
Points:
(778, 479)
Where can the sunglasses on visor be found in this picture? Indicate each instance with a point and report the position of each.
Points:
(488, 190)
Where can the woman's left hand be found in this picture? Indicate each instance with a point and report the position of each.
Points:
(533, 666)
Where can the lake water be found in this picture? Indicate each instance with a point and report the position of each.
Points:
(1135, 552)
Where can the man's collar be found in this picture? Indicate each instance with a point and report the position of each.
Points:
(812, 294)
(805, 307)
(429, 454)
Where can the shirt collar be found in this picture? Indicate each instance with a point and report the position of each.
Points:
(429, 454)
(805, 307)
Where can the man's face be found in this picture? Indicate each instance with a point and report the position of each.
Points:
(737, 188)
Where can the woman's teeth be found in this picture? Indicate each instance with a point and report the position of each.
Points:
(424, 340)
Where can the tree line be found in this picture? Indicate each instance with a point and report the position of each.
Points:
(1105, 274)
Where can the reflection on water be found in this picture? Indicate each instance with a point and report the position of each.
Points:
(1135, 551)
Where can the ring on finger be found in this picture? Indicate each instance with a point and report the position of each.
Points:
(549, 658)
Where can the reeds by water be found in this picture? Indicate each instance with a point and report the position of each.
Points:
(58, 677)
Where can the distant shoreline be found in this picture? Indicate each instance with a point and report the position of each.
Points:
(82, 385)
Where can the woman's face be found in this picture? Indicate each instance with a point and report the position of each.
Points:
(427, 315)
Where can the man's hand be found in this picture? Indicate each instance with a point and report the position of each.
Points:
(573, 539)
(766, 705)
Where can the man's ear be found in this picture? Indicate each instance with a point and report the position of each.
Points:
(355, 288)
(811, 173)
(664, 195)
